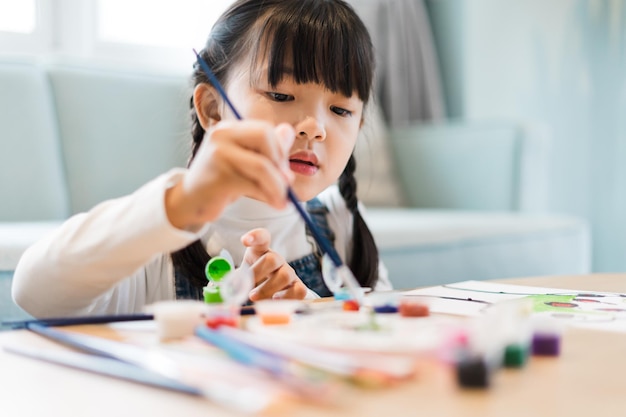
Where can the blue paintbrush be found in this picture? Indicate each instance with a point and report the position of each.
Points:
(341, 272)
(78, 320)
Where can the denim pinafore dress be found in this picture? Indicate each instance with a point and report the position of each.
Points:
(308, 268)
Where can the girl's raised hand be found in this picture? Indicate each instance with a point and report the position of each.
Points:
(237, 158)
(273, 277)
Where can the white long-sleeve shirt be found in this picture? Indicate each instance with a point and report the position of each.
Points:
(115, 259)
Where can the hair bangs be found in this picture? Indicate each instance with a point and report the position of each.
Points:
(290, 44)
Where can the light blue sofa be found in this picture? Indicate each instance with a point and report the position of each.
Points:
(446, 202)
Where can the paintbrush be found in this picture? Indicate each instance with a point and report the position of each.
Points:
(78, 320)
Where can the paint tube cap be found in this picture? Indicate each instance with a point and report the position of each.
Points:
(473, 372)
(217, 268)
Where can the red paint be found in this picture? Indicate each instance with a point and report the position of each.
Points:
(217, 321)
(350, 305)
(409, 308)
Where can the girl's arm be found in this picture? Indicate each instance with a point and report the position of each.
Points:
(76, 269)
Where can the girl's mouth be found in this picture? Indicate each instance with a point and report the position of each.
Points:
(302, 167)
(304, 163)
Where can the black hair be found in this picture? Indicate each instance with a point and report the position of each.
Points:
(329, 45)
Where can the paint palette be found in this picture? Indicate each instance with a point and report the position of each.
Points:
(361, 331)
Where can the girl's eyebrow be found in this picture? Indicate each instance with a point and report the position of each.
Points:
(282, 69)
(263, 72)
(285, 70)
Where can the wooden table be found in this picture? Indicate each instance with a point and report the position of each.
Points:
(589, 378)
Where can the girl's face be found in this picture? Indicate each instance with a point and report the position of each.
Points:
(326, 124)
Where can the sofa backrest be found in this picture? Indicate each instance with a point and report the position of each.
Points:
(76, 135)
(32, 176)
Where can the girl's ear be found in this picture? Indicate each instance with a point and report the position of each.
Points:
(206, 102)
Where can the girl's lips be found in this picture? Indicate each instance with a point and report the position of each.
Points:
(304, 162)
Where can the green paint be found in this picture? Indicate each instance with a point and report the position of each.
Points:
(516, 355)
(541, 304)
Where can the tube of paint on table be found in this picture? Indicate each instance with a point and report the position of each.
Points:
(384, 302)
(414, 306)
(515, 329)
(177, 318)
(276, 311)
(227, 291)
(546, 336)
(481, 355)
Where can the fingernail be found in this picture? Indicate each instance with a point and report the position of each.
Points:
(287, 134)
(252, 294)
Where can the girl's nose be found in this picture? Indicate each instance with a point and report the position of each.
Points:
(311, 129)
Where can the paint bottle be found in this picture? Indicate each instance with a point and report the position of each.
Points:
(215, 270)
(218, 312)
(546, 336)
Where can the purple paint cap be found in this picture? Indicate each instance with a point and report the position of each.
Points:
(546, 344)
(547, 332)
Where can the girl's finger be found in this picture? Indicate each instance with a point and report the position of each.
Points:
(280, 280)
(257, 242)
(243, 172)
(263, 180)
(258, 136)
(267, 263)
(286, 136)
(297, 291)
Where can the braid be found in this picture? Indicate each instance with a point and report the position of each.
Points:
(364, 260)
(347, 185)
(189, 261)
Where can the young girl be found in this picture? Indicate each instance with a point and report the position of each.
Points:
(300, 73)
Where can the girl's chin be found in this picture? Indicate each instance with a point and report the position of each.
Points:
(306, 192)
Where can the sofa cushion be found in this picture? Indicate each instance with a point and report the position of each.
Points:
(31, 167)
(119, 129)
(433, 247)
(473, 166)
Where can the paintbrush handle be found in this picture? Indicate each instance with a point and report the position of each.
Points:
(71, 321)
(74, 321)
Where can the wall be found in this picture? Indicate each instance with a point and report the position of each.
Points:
(560, 63)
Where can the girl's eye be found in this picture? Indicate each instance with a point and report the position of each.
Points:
(340, 111)
(280, 97)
